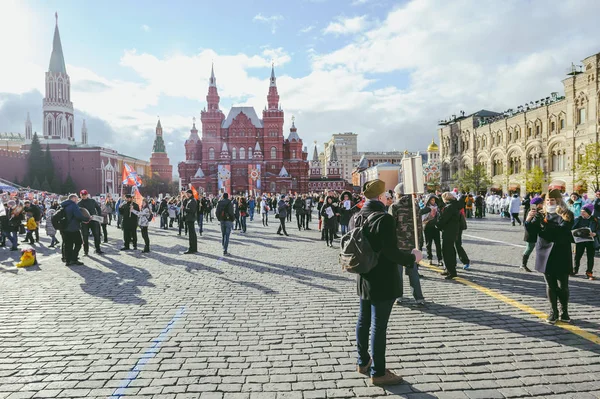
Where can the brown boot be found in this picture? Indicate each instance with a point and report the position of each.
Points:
(389, 378)
(366, 370)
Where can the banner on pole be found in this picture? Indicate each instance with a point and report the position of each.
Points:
(254, 177)
(224, 178)
(412, 175)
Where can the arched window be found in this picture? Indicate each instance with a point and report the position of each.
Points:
(49, 127)
(293, 154)
(273, 153)
(211, 153)
(242, 153)
(234, 153)
(249, 152)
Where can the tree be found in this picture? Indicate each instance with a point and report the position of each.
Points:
(48, 164)
(534, 179)
(36, 184)
(475, 179)
(35, 161)
(46, 186)
(69, 186)
(56, 186)
(588, 166)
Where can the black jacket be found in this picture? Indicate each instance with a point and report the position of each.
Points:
(130, 219)
(383, 282)
(91, 205)
(449, 221)
(35, 212)
(225, 211)
(554, 229)
(190, 209)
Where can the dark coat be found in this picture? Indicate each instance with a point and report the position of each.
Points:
(191, 207)
(74, 216)
(282, 209)
(91, 205)
(35, 210)
(383, 282)
(555, 229)
(225, 207)
(449, 221)
(597, 208)
(329, 222)
(130, 219)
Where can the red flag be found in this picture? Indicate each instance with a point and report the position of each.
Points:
(194, 191)
(138, 197)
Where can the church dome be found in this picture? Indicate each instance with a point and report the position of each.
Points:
(433, 147)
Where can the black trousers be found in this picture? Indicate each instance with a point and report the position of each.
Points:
(588, 248)
(449, 253)
(104, 232)
(130, 236)
(557, 289)
(329, 234)
(432, 235)
(281, 226)
(307, 219)
(462, 255)
(85, 231)
(300, 219)
(145, 236)
(72, 245)
(193, 238)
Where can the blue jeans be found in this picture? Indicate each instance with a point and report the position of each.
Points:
(226, 232)
(13, 237)
(373, 316)
(251, 211)
(54, 240)
(344, 228)
(414, 280)
(243, 223)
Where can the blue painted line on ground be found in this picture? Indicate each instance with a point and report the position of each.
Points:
(146, 356)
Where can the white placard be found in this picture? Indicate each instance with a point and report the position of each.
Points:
(412, 172)
(347, 204)
(329, 212)
(99, 219)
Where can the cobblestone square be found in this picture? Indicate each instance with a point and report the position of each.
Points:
(276, 319)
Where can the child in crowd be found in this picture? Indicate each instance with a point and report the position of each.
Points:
(31, 226)
(50, 230)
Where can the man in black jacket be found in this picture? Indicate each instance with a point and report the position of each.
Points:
(449, 224)
(380, 287)
(226, 216)
(94, 209)
(282, 211)
(129, 223)
(190, 209)
(163, 213)
(299, 205)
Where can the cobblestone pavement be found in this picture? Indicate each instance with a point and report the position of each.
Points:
(276, 320)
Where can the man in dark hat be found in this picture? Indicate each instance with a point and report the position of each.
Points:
(190, 211)
(129, 223)
(94, 209)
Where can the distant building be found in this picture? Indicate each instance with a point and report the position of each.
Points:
(12, 141)
(332, 180)
(346, 146)
(93, 168)
(159, 161)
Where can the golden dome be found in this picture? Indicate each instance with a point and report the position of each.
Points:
(433, 147)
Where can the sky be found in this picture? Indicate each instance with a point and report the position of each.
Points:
(386, 70)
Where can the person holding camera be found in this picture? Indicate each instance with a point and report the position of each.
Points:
(553, 251)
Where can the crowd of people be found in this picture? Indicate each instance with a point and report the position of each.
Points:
(386, 217)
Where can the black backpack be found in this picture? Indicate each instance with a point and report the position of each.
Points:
(59, 220)
(356, 253)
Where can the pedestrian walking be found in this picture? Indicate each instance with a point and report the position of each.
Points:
(243, 208)
(144, 218)
(93, 209)
(531, 236)
(586, 220)
(72, 234)
(264, 211)
(449, 225)
(129, 222)
(515, 208)
(329, 212)
(282, 213)
(430, 215)
(189, 213)
(225, 216)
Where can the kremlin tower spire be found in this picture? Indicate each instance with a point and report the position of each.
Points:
(57, 105)
(159, 161)
(28, 129)
(84, 134)
(212, 99)
(273, 96)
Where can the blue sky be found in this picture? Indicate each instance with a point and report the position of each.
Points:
(387, 70)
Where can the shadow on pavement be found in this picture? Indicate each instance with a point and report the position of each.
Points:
(524, 327)
(122, 285)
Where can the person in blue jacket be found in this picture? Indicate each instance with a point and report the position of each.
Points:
(72, 233)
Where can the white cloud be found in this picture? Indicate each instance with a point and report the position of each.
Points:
(145, 28)
(359, 2)
(307, 29)
(345, 26)
(273, 20)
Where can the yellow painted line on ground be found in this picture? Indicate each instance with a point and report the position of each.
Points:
(521, 306)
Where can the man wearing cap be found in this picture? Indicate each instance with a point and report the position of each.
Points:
(530, 238)
(379, 288)
(37, 215)
(586, 220)
(129, 222)
(94, 209)
(402, 211)
(189, 212)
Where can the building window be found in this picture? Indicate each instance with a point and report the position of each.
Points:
(272, 166)
(249, 152)
(273, 153)
(293, 154)
(528, 132)
(555, 162)
(211, 153)
(234, 153)
(581, 116)
(538, 130)
(242, 153)
(562, 124)
(553, 126)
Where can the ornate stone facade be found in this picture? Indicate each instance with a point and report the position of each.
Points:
(242, 151)
(550, 133)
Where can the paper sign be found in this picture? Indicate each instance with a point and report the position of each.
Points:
(347, 204)
(412, 171)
